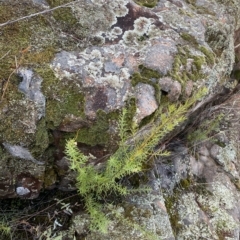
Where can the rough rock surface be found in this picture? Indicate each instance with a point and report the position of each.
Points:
(69, 72)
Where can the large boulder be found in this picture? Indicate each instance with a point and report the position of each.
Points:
(68, 71)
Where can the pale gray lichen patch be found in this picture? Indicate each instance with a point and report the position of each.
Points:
(141, 25)
(208, 215)
(218, 204)
(20, 152)
(227, 157)
(116, 31)
(31, 87)
(119, 7)
(157, 219)
(188, 209)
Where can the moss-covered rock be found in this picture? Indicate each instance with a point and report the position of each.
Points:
(91, 55)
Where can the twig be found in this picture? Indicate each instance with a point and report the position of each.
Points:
(36, 213)
(6, 85)
(237, 46)
(38, 13)
(5, 55)
(17, 65)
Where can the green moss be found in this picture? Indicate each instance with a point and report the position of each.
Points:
(41, 140)
(198, 62)
(217, 39)
(65, 16)
(236, 74)
(50, 177)
(147, 3)
(131, 112)
(66, 19)
(191, 39)
(210, 59)
(55, 3)
(136, 78)
(204, 10)
(185, 183)
(179, 70)
(170, 204)
(148, 76)
(12, 127)
(38, 58)
(192, 2)
(63, 98)
(98, 133)
(20, 36)
(180, 60)
(148, 73)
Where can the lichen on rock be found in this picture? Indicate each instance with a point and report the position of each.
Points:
(69, 72)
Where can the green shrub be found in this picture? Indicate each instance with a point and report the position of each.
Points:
(133, 152)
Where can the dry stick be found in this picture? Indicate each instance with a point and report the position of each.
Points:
(36, 213)
(36, 14)
(8, 80)
(5, 55)
(14, 71)
(237, 46)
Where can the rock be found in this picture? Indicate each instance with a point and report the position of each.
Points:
(215, 149)
(204, 151)
(196, 167)
(160, 55)
(28, 186)
(146, 102)
(165, 84)
(173, 88)
(189, 88)
(175, 91)
(146, 210)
